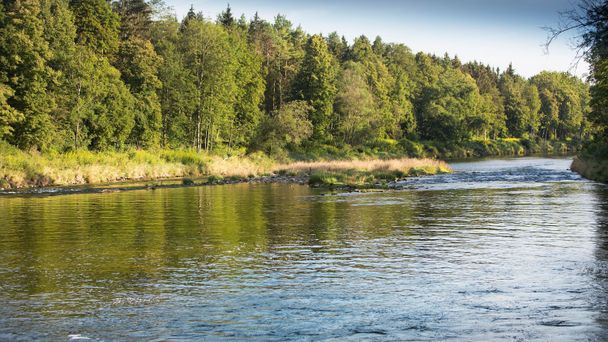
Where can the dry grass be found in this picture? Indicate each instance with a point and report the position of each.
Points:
(20, 169)
(376, 165)
(374, 173)
(254, 165)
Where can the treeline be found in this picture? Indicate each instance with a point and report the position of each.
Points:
(97, 74)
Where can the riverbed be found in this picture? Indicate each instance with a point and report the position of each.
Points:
(502, 249)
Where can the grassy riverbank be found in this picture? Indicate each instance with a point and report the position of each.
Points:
(364, 173)
(378, 163)
(19, 169)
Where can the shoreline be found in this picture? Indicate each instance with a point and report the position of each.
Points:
(345, 175)
(595, 170)
(175, 183)
(279, 177)
(276, 178)
(96, 172)
(152, 184)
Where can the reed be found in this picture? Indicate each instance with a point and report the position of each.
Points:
(404, 165)
(364, 173)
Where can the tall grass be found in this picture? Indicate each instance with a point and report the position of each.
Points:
(364, 173)
(19, 169)
(404, 165)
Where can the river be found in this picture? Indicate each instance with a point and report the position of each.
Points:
(503, 249)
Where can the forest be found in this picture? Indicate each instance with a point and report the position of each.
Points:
(113, 75)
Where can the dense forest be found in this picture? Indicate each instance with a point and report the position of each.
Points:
(107, 75)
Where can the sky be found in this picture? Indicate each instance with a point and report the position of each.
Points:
(495, 32)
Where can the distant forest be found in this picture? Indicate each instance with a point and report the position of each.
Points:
(108, 75)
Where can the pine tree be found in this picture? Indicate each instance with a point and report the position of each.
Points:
(225, 18)
(97, 25)
(249, 91)
(402, 111)
(135, 18)
(361, 49)
(60, 33)
(378, 46)
(338, 46)
(521, 104)
(317, 84)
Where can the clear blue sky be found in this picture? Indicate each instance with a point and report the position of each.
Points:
(492, 31)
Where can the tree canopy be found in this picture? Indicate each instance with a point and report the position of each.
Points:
(97, 74)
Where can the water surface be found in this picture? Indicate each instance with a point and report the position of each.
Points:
(502, 249)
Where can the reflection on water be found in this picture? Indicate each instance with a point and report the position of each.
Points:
(512, 250)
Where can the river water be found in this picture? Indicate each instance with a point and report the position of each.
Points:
(500, 250)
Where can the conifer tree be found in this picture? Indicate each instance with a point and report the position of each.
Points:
(225, 18)
(97, 26)
(135, 18)
(317, 84)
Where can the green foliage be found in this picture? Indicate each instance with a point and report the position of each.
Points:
(599, 96)
(138, 64)
(249, 95)
(116, 75)
(354, 105)
(225, 18)
(563, 104)
(338, 46)
(522, 105)
(208, 58)
(448, 106)
(316, 84)
(24, 68)
(8, 115)
(135, 18)
(287, 126)
(97, 25)
(177, 93)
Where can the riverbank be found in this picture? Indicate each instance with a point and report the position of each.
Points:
(167, 168)
(20, 169)
(596, 170)
(592, 162)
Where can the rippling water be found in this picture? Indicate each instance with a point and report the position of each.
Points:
(502, 249)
